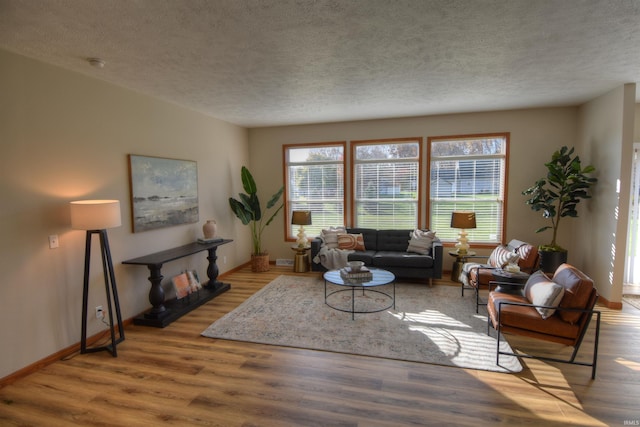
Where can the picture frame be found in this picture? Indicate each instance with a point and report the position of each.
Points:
(181, 285)
(164, 192)
(186, 283)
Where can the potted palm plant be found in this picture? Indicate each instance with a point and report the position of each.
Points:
(557, 196)
(250, 212)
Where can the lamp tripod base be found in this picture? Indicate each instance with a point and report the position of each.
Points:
(112, 296)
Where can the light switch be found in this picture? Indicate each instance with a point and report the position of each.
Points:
(53, 241)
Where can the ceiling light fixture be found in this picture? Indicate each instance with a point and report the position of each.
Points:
(96, 62)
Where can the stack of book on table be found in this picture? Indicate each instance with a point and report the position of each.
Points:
(361, 276)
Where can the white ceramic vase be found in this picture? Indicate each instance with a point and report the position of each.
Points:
(209, 229)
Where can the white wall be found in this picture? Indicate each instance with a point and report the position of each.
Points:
(65, 136)
(606, 139)
(535, 134)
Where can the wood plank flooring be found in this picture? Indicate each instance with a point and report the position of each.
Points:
(175, 377)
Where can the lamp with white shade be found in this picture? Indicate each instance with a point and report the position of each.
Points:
(463, 220)
(96, 216)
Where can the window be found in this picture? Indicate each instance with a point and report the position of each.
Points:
(315, 181)
(468, 173)
(386, 177)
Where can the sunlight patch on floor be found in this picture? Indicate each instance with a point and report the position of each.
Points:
(634, 366)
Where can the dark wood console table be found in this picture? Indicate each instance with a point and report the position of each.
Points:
(164, 312)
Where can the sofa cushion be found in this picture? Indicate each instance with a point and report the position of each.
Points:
(527, 317)
(351, 241)
(384, 259)
(502, 256)
(577, 289)
(364, 256)
(393, 240)
(421, 241)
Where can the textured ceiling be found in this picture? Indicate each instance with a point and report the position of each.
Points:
(276, 62)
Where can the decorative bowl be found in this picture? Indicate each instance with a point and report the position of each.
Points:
(355, 265)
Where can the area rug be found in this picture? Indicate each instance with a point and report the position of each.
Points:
(633, 300)
(429, 324)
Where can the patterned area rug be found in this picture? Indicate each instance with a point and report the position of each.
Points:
(633, 300)
(430, 325)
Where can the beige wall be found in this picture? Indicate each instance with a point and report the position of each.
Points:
(65, 136)
(535, 134)
(606, 141)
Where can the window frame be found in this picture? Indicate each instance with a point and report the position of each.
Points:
(290, 234)
(390, 141)
(505, 184)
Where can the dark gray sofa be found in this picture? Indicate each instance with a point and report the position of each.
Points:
(387, 249)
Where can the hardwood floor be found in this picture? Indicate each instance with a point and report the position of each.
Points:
(173, 376)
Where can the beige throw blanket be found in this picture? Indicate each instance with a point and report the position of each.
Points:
(332, 259)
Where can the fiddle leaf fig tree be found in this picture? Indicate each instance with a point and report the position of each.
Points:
(248, 209)
(558, 195)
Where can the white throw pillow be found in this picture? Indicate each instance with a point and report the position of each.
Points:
(329, 236)
(420, 241)
(539, 290)
(502, 256)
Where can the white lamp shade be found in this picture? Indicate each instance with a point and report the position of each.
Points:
(95, 214)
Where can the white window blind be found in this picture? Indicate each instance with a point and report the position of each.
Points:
(386, 180)
(315, 182)
(468, 173)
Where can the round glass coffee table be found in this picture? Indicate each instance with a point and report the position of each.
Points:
(359, 301)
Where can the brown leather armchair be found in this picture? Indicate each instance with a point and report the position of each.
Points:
(564, 321)
(475, 275)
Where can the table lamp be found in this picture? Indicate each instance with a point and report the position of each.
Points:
(463, 220)
(301, 218)
(95, 216)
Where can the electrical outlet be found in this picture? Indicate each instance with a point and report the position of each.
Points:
(53, 241)
(99, 312)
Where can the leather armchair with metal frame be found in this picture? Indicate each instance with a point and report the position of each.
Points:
(475, 275)
(568, 325)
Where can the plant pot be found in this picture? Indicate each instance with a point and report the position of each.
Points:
(259, 263)
(551, 260)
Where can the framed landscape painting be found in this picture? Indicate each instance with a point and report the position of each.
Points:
(164, 192)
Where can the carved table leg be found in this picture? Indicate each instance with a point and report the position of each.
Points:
(212, 269)
(156, 294)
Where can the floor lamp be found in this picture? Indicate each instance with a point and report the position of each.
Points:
(95, 216)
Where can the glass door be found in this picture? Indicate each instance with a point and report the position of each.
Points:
(632, 264)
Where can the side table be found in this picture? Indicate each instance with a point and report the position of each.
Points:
(457, 264)
(510, 283)
(301, 259)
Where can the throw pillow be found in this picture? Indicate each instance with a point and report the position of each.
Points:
(420, 241)
(536, 277)
(351, 241)
(329, 236)
(502, 256)
(545, 293)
